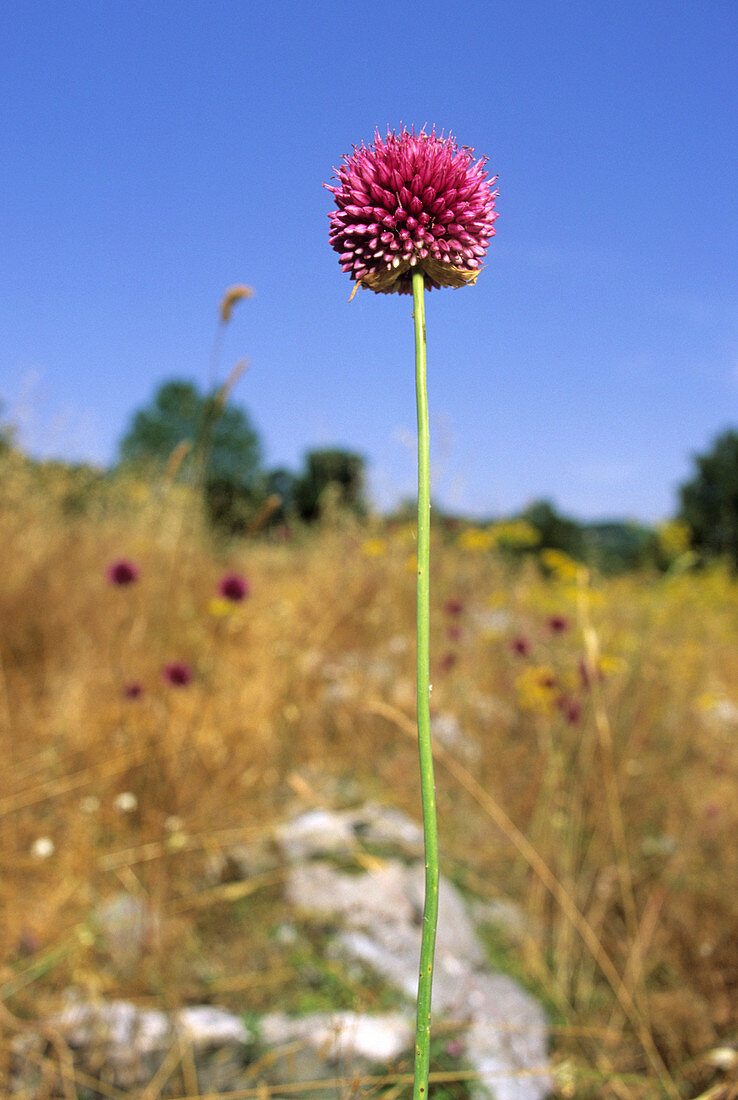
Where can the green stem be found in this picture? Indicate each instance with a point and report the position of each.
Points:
(427, 786)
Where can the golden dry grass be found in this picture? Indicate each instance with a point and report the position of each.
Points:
(602, 796)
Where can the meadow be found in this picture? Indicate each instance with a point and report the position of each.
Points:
(587, 743)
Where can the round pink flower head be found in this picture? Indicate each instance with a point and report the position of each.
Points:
(233, 587)
(122, 572)
(412, 201)
(177, 673)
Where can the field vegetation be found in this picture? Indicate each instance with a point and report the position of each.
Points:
(587, 750)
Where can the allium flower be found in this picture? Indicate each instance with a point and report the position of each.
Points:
(177, 673)
(447, 662)
(233, 587)
(122, 572)
(570, 708)
(558, 624)
(412, 201)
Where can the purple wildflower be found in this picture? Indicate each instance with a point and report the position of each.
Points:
(133, 690)
(122, 572)
(521, 646)
(570, 708)
(177, 673)
(453, 607)
(412, 201)
(233, 587)
(447, 662)
(558, 624)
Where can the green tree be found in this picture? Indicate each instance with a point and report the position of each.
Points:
(224, 457)
(7, 433)
(709, 501)
(179, 412)
(557, 532)
(614, 547)
(341, 470)
(280, 483)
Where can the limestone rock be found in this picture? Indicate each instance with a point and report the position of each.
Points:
(320, 833)
(379, 915)
(342, 1037)
(206, 1027)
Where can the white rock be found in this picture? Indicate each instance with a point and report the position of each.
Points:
(381, 915)
(317, 832)
(205, 1026)
(118, 1025)
(506, 1039)
(343, 1036)
(382, 826)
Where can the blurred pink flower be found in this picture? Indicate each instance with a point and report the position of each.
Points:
(177, 673)
(570, 708)
(558, 624)
(122, 572)
(233, 587)
(447, 662)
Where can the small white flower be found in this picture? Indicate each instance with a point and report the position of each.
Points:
(125, 802)
(43, 847)
(90, 804)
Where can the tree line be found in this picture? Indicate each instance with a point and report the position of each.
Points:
(222, 456)
(213, 445)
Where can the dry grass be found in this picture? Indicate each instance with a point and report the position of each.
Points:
(599, 793)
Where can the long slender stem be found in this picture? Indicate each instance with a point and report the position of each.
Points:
(427, 786)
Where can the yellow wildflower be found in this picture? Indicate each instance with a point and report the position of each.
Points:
(612, 666)
(374, 548)
(537, 690)
(477, 539)
(516, 534)
(219, 607)
(560, 564)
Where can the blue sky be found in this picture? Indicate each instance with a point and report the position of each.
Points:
(156, 153)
